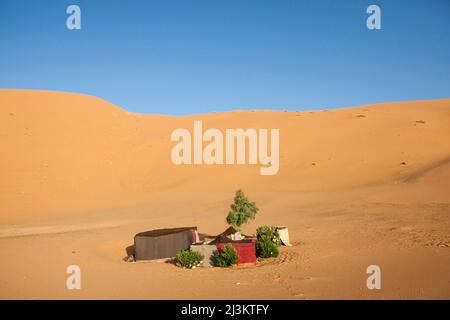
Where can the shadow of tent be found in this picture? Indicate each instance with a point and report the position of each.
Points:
(130, 250)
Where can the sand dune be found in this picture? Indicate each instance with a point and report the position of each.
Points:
(357, 186)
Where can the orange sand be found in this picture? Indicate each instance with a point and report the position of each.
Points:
(358, 186)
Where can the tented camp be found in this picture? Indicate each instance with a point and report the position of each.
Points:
(163, 243)
(166, 243)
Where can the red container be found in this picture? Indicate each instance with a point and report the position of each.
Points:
(245, 249)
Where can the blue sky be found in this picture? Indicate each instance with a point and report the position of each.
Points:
(186, 57)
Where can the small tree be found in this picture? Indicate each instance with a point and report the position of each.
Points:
(242, 210)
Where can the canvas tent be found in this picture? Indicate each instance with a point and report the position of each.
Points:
(163, 243)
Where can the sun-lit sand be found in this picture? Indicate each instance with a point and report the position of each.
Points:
(357, 186)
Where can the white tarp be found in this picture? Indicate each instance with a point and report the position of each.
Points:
(236, 236)
(284, 236)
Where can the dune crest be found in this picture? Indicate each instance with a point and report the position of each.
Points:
(66, 153)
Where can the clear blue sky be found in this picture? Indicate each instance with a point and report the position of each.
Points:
(185, 57)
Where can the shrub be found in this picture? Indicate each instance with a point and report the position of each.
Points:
(188, 259)
(268, 233)
(268, 241)
(267, 249)
(242, 210)
(226, 257)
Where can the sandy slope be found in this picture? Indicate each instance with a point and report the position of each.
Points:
(359, 186)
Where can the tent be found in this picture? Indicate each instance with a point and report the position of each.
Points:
(284, 235)
(229, 235)
(163, 243)
(246, 249)
(245, 246)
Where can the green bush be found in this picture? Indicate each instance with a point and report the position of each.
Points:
(267, 249)
(226, 257)
(188, 259)
(268, 233)
(268, 241)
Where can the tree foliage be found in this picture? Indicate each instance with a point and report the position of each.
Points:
(242, 210)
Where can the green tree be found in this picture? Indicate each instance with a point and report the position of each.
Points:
(242, 210)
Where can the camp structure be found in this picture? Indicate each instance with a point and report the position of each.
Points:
(163, 243)
(284, 235)
(230, 234)
(246, 249)
(245, 245)
(207, 251)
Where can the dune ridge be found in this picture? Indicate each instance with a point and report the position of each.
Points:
(70, 152)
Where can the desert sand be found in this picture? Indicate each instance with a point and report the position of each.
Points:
(356, 186)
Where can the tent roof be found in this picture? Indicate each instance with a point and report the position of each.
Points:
(223, 237)
(163, 232)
